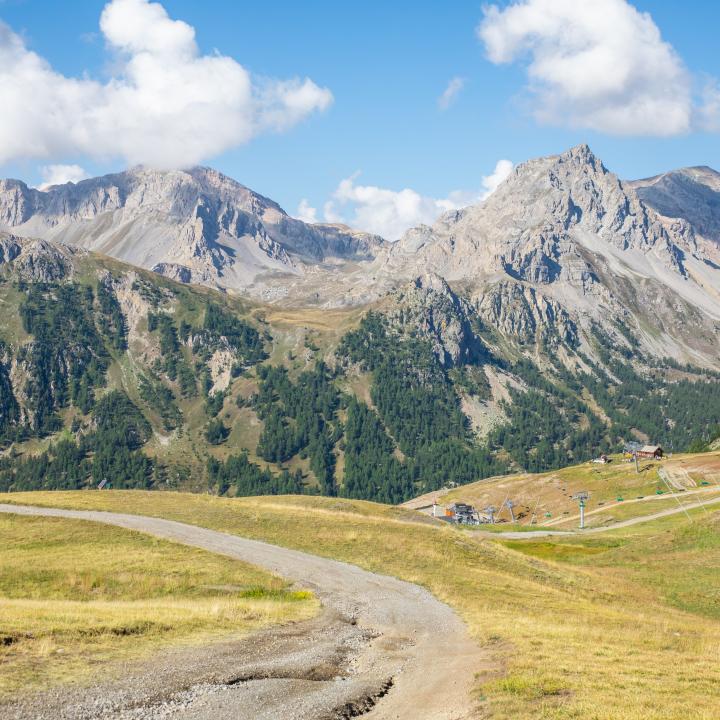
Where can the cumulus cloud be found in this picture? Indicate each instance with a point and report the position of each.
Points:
(488, 185)
(598, 64)
(390, 213)
(709, 116)
(61, 174)
(306, 212)
(379, 210)
(451, 92)
(166, 104)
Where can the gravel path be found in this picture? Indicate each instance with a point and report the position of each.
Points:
(530, 534)
(678, 497)
(382, 648)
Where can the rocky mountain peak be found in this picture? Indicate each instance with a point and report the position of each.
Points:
(196, 225)
(563, 243)
(542, 222)
(583, 155)
(690, 194)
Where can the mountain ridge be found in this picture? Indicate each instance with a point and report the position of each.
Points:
(566, 242)
(108, 371)
(197, 225)
(562, 245)
(691, 194)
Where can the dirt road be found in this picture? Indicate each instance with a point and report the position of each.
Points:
(382, 648)
(530, 534)
(678, 497)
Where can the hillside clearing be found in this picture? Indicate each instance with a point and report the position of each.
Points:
(617, 491)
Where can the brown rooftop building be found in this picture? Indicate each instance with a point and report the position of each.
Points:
(650, 451)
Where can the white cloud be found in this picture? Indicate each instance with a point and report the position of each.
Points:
(165, 105)
(490, 183)
(390, 213)
(61, 174)
(306, 212)
(597, 64)
(709, 115)
(331, 214)
(379, 210)
(451, 92)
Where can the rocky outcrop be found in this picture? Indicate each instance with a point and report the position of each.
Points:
(522, 312)
(428, 305)
(690, 194)
(174, 271)
(35, 260)
(10, 248)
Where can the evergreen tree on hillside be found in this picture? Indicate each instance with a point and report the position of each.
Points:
(9, 408)
(241, 476)
(120, 431)
(112, 321)
(371, 469)
(240, 335)
(67, 359)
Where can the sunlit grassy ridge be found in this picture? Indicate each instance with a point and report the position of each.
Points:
(614, 489)
(74, 594)
(599, 628)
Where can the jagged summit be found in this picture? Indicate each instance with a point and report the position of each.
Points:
(428, 304)
(541, 213)
(197, 225)
(564, 243)
(691, 194)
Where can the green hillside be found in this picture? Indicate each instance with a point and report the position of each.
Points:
(116, 376)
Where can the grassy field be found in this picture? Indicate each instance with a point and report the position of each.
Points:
(613, 489)
(676, 560)
(622, 625)
(75, 595)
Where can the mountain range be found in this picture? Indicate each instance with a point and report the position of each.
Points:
(562, 243)
(177, 328)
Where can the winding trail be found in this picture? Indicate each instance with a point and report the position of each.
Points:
(678, 497)
(382, 648)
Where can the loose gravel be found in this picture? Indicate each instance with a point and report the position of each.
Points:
(381, 648)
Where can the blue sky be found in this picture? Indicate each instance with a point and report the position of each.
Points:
(386, 65)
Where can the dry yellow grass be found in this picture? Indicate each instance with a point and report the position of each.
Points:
(551, 493)
(579, 628)
(75, 595)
